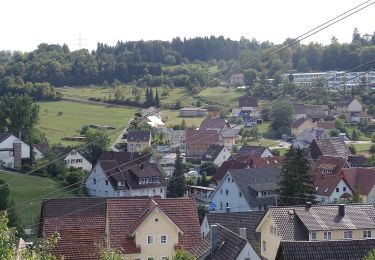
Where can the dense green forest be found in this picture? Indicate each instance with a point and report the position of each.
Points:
(154, 63)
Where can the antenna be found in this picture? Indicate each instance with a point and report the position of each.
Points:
(80, 42)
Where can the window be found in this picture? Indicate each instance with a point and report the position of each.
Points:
(163, 239)
(94, 180)
(106, 182)
(344, 189)
(221, 191)
(161, 190)
(226, 192)
(348, 234)
(221, 204)
(366, 233)
(227, 204)
(313, 235)
(150, 240)
(273, 230)
(164, 258)
(228, 179)
(335, 200)
(337, 189)
(150, 258)
(327, 235)
(240, 194)
(106, 193)
(264, 246)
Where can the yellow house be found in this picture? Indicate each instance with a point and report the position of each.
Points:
(362, 179)
(140, 228)
(315, 223)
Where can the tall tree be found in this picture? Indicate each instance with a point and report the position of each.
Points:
(282, 117)
(157, 99)
(4, 195)
(296, 183)
(177, 186)
(96, 142)
(18, 115)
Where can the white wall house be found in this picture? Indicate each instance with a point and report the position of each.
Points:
(327, 194)
(76, 160)
(7, 156)
(216, 154)
(228, 194)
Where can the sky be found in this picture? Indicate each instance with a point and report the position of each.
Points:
(83, 23)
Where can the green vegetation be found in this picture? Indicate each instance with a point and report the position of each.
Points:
(75, 115)
(23, 189)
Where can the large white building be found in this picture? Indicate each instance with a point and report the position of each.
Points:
(334, 79)
(12, 151)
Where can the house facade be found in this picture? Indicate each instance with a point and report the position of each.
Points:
(12, 151)
(315, 223)
(140, 228)
(216, 154)
(76, 160)
(347, 106)
(361, 180)
(198, 141)
(246, 189)
(301, 124)
(138, 140)
(177, 139)
(237, 79)
(124, 174)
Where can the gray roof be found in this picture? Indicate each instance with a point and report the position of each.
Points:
(310, 110)
(213, 123)
(344, 101)
(253, 180)
(327, 250)
(251, 150)
(212, 152)
(229, 246)
(4, 136)
(139, 135)
(235, 220)
(293, 223)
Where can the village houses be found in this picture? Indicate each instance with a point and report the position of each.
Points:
(138, 140)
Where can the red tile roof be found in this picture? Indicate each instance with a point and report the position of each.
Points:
(332, 165)
(267, 162)
(213, 123)
(328, 125)
(202, 137)
(228, 165)
(81, 223)
(363, 178)
(325, 184)
(248, 101)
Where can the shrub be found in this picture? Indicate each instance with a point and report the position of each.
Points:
(352, 149)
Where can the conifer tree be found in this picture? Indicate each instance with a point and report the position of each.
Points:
(152, 102)
(296, 182)
(147, 97)
(157, 99)
(177, 184)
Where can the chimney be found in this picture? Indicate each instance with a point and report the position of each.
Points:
(243, 232)
(341, 210)
(17, 153)
(213, 238)
(308, 205)
(227, 209)
(142, 166)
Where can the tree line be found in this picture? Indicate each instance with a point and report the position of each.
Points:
(146, 60)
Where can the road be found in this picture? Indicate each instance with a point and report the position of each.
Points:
(119, 138)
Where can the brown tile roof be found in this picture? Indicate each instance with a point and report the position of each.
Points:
(266, 162)
(335, 147)
(229, 245)
(213, 123)
(248, 101)
(327, 250)
(298, 122)
(235, 220)
(81, 223)
(232, 163)
(202, 137)
(363, 178)
(325, 184)
(293, 223)
(329, 164)
(328, 125)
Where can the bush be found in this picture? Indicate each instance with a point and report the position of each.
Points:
(373, 138)
(372, 149)
(74, 179)
(352, 149)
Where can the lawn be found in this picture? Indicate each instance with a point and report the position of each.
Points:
(28, 190)
(362, 149)
(75, 115)
(171, 117)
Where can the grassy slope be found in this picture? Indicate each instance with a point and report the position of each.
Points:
(25, 188)
(75, 115)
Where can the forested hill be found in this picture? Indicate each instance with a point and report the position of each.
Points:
(129, 61)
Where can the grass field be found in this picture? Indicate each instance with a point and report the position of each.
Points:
(172, 118)
(75, 115)
(28, 190)
(362, 149)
